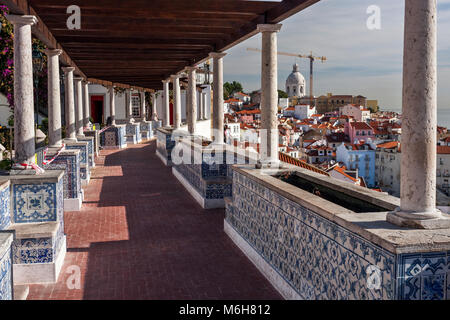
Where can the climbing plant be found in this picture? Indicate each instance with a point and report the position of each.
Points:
(7, 63)
(6, 56)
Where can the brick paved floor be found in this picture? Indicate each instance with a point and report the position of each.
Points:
(140, 235)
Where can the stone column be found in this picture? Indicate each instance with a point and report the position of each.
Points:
(204, 105)
(129, 106)
(166, 103)
(419, 120)
(70, 104)
(54, 99)
(87, 105)
(142, 105)
(176, 101)
(154, 113)
(269, 95)
(218, 96)
(24, 135)
(200, 102)
(79, 107)
(192, 100)
(112, 105)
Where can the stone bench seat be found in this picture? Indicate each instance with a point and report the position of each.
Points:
(38, 252)
(131, 138)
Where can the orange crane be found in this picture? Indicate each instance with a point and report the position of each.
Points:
(311, 63)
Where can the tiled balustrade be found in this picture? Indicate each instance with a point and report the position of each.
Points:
(114, 137)
(205, 171)
(311, 248)
(69, 161)
(6, 239)
(83, 146)
(96, 135)
(37, 217)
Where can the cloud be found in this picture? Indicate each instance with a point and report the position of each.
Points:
(360, 61)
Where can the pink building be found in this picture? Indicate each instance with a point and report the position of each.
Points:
(359, 131)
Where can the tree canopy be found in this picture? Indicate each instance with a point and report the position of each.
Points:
(231, 88)
(282, 94)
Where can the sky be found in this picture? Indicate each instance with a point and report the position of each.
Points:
(360, 61)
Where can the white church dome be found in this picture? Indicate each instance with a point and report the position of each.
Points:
(295, 83)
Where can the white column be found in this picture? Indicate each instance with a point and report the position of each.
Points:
(70, 104)
(54, 99)
(204, 104)
(87, 105)
(79, 107)
(129, 106)
(166, 103)
(176, 101)
(200, 102)
(24, 135)
(112, 105)
(192, 100)
(154, 113)
(419, 119)
(142, 105)
(269, 95)
(218, 96)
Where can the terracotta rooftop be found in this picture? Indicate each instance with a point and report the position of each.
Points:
(388, 145)
(443, 150)
(300, 163)
(361, 126)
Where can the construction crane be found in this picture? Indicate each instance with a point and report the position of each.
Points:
(311, 63)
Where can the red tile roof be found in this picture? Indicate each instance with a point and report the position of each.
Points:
(443, 150)
(361, 126)
(299, 163)
(388, 145)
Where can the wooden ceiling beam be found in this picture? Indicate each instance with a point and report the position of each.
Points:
(207, 6)
(145, 42)
(41, 31)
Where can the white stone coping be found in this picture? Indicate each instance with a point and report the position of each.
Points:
(53, 151)
(371, 226)
(35, 230)
(196, 147)
(49, 176)
(4, 184)
(6, 238)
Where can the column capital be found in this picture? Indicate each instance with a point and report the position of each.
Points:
(165, 80)
(52, 52)
(269, 27)
(68, 69)
(190, 69)
(23, 20)
(77, 79)
(217, 55)
(175, 76)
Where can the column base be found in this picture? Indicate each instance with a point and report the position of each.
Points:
(73, 204)
(21, 292)
(410, 220)
(264, 164)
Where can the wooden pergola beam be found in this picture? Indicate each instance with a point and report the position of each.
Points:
(140, 42)
(41, 31)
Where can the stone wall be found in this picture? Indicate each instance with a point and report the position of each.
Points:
(309, 256)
